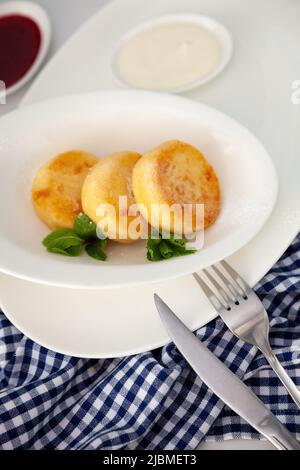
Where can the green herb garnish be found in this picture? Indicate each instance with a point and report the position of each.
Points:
(159, 249)
(64, 242)
(70, 242)
(84, 227)
(95, 249)
(153, 251)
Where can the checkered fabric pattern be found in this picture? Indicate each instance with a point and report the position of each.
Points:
(151, 400)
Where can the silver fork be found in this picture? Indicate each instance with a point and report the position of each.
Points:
(244, 314)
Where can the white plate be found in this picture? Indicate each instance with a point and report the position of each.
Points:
(255, 89)
(40, 17)
(100, 323)
(216, 28)
(103, 123)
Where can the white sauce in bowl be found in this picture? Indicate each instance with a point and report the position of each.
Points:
(170, 56)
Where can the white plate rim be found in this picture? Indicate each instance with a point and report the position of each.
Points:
(117, 352)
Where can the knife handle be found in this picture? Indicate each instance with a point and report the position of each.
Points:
(277, 434)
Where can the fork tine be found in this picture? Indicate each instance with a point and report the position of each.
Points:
(210, 294)
(230, 285)
(236, 278)
(206, 289)
(218, 286)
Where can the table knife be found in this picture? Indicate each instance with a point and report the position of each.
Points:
(224, 383)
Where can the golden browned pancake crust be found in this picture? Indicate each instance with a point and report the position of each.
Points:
(105, 183)
(56, 189)
(177, 173)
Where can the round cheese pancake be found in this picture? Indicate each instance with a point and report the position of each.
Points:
(109, 180)
(176, 173)
(56, 189)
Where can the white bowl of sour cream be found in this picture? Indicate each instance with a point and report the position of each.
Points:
(172, 53)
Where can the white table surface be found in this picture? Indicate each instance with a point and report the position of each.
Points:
(66, 16)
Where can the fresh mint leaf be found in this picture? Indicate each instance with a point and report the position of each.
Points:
(160, 249)
(64, 242)
(177, 242)
(71, 251)
(184, 252)
(153, 251)
(84, 227)
(95, 249)
(166, 250)
(71, 242)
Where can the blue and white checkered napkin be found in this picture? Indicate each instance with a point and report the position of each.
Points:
(152, 400)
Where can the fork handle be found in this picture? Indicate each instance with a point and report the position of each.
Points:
(282, 374)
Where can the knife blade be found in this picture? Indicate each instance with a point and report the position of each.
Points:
(224, 383)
